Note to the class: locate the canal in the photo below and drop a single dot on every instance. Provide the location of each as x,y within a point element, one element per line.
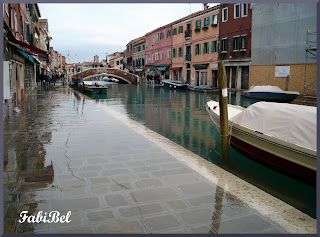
<point>180,115</point>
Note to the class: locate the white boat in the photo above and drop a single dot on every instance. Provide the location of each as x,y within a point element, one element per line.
<point>271,93</point>
<point>281,135</point>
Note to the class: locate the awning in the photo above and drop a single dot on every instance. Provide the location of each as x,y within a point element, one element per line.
<point>175,68</point>
<point>159,68</point>
<point>30,47</point>
<point>201,66</point>
<point>26,56</point>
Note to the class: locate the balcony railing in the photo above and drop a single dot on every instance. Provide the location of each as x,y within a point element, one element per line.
<point>188,57</point>
<point>187,34</point>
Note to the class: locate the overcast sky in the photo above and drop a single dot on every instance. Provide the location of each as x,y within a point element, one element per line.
<point>86,30</point>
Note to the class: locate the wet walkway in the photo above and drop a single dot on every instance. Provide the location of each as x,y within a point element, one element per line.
<point>64,152</point>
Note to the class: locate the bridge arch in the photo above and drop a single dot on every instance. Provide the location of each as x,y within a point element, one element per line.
<point>113,72</point>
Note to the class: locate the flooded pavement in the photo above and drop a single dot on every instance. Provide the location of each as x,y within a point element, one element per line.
<point>65,152</point>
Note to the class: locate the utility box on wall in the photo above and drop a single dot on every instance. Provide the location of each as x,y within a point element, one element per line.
<point>6,81</point>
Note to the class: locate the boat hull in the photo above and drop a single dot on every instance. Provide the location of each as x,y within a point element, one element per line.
<point>173,85</point>
<point>291,160</point>
<point>271,97</point>
<point>202,88</point>
<point>96,89</point>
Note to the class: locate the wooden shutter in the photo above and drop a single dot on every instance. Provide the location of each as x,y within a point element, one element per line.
<point>233,44</point>
<point>217,18</point>
<point>212,47</point>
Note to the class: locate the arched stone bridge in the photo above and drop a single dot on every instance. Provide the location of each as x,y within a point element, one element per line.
<point>126,77</point>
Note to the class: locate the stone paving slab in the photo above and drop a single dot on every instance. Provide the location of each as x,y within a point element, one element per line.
<point>116,176</point>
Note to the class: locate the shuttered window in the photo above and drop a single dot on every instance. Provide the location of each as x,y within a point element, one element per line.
<point>197,49</point>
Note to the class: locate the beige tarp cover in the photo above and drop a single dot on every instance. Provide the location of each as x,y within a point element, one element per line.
<point>296,124</point>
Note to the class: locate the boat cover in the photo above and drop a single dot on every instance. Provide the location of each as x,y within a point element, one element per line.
<point>293,123</point>
<point>270,89</point>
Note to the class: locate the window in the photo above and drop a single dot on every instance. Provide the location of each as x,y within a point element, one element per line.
<point>215,19</point>
<point>173,53</point>
<point>174,31</point>
<point>214,46</point>
<point>197,49</point>
<point>198,24</point>
<point>205,48</point>
<point>142,64</point>
<point>169,51</point>
<point>236,44</point>
<point>152,57</point>
<point>152,40</point>
<point>180,52</point>
<point>161,36</point>
<point>236,10</point>
<point>224,14</point>
<point>180,29</point>
<point>168,33</point>
<point>161,54</point>
<point>206,21</point>
<point>224,45</point>
<point>143,48</point>
<point>243,42</point>
<point>244,9</point>
<point>157,37</point>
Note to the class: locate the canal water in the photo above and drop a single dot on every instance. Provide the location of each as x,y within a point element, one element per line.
<point>180,115</point>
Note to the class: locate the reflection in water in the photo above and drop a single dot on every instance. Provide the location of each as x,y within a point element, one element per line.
<point>26,167</point>
<point>216,217</point>
<point>181,116</point>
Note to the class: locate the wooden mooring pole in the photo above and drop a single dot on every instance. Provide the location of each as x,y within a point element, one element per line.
<point>223,105</point>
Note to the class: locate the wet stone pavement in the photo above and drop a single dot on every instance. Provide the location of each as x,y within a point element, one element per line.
<point>64,152</point>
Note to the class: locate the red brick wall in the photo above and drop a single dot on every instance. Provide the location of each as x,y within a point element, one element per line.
<point>233,27</point>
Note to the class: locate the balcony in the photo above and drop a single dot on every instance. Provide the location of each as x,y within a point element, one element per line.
<point>188,57</point>
<point>187,34</point>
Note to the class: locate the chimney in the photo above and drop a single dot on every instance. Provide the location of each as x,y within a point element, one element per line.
<point>205,6</point>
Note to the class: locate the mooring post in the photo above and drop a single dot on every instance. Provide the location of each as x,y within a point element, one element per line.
<point>287,83</point>
<point>223,105</point>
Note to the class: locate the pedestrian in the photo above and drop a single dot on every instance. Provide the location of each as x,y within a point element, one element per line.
<point>148,78</point>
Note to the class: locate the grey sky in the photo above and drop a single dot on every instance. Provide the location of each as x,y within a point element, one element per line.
<point>96,29</point>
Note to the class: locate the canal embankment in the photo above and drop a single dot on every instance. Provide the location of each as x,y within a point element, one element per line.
<point>65,152</point>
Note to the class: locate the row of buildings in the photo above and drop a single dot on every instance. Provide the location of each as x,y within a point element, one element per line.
<point>27,53</point>
<point>260,44</point>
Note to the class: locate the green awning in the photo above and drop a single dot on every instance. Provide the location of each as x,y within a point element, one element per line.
<point>201,66</point>
<point>26,56</point>
<point>159,68</point>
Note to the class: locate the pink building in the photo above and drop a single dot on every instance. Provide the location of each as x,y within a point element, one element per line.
<point>158,51</point>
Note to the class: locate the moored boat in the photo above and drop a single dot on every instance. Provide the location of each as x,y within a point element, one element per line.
<point>95,89</point>
<point>174,84</point>
<point>202,88</point>
<point>280,135</point>
<point>271,94</point>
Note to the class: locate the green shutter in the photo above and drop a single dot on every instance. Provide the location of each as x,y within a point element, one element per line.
<point>239,43</point>
<point>217,18</point>
<point>208,49</point>
<point>245,42</point>
<point>212,19</point>
<point>200,23</point>
<point>195,50</point>
<point>203,47</point>
<point>196,24</point>
<point>212,45</point>
<point>233,46</point>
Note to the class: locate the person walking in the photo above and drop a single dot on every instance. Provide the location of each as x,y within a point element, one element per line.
<point>148,78</point>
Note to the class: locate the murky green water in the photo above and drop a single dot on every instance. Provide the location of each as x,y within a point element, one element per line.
<point>180,115</point>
